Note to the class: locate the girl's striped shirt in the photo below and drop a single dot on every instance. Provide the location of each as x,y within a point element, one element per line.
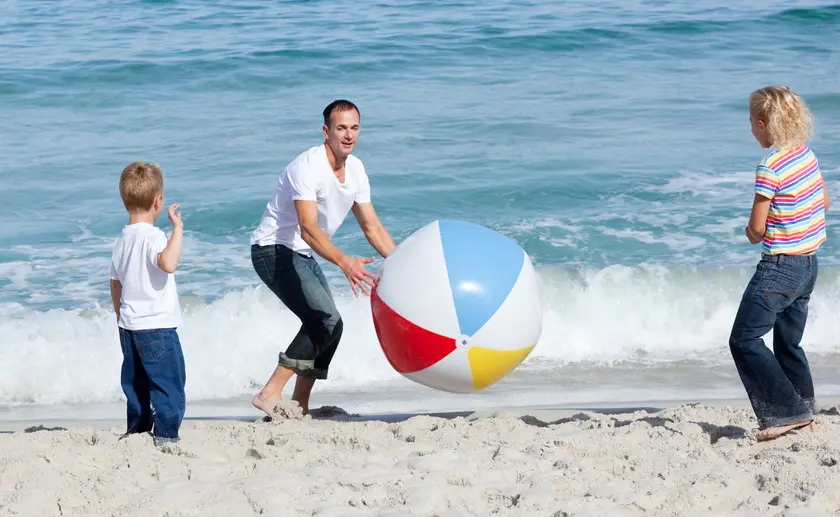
<point>796,221</point>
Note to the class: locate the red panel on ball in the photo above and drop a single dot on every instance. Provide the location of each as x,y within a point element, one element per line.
<point>407,347</point>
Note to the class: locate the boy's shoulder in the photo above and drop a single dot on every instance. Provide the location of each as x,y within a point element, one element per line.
<point>134,234</point>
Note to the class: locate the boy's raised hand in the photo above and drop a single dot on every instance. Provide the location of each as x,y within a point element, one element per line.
<point>175,217</point>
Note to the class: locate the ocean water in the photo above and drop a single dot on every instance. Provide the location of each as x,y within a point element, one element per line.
<point>610,139</point>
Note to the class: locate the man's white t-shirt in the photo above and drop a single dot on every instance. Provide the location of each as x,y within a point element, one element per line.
<point>310,177</point>
<point>149,296</point>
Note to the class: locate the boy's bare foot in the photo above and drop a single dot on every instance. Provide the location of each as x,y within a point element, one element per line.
<point>772,433</point>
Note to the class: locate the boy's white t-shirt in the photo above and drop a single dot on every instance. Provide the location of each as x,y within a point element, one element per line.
<point>149,295</point>
<point>310,177</point>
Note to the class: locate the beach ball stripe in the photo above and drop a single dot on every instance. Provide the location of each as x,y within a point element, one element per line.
<point>416,271</point>
<point>519,319</point>
<point>488,365</point>
<point>478,259</point>
<point>455,306</point>
<point>421,348</point>
<point>452,373</point>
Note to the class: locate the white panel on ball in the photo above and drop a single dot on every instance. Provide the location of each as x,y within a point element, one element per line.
<point>413,282</point>
<point>518,322</point>
<point>452,373</point>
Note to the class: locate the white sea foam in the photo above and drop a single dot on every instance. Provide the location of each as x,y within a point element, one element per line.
<point>649,315</point>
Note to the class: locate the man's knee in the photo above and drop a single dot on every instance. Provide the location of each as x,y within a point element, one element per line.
<point>324,322</point>
<point>338,327</point>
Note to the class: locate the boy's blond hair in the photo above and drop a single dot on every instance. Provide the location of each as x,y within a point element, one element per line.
<point>789,123</point>
<point>140,183</point>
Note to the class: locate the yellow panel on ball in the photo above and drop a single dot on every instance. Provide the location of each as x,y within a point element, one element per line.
<point>488,366</point>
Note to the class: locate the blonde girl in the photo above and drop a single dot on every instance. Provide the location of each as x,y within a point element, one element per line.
<point>788,219</point>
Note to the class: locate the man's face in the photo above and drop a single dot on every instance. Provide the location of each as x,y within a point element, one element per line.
<point>342,132</point>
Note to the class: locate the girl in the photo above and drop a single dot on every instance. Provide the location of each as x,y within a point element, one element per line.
<point>788,218</point>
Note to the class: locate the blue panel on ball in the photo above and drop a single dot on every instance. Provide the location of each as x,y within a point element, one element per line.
<point>483,267</point>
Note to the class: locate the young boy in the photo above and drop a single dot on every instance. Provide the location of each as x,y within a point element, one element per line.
<point>147,307</point>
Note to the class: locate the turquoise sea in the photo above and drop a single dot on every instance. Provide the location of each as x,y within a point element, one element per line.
<point>610,139</point>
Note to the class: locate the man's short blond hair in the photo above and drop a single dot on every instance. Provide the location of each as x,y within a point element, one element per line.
<point>140,183</point>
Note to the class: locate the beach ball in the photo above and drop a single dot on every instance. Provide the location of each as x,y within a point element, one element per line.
<point>457,306</point>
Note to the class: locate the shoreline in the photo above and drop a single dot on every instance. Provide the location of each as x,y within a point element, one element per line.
<point>240,410</point>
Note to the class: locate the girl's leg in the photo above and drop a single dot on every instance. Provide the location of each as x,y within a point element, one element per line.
<point>773,398</point>
<point>787,336</point>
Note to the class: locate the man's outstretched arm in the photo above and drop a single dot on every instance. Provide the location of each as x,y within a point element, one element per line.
<point>374,230</point>
<point>312,234</point>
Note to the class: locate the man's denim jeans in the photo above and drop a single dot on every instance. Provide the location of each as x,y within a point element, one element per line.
<point>153,378</point>
<point>777,383</point>
<point>300,284</point>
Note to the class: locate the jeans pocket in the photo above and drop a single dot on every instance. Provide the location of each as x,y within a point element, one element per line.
<point>262,269</point>
<point>150,344</point>
<point>781,286</point>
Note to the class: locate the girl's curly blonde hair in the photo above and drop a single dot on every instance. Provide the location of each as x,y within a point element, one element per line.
<point>789,123</point>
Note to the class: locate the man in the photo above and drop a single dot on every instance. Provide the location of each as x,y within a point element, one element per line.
<point>313,197</point>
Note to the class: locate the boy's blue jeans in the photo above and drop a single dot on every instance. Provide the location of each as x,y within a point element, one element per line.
<point>300,284</point>
<point>778,383</point>
<point>153,377</point>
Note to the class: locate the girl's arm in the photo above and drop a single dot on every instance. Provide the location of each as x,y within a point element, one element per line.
<point>757,226</point>
<point>827,198</point>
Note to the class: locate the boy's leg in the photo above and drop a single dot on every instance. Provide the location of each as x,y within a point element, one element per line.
<point>787,336</point>
<point>160,351</point>
<point>773,398</point>
<point>135,385</point>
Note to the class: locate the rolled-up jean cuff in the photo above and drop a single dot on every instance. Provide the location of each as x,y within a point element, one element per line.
<point>303,367</point>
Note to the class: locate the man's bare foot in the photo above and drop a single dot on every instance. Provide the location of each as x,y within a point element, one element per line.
<point>268,397</point>
<point>772,433</point>
<point>264,404</point>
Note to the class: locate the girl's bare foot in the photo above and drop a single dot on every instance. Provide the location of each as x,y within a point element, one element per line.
<point>772,433</point>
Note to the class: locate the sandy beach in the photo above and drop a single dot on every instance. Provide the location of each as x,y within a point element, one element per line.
<point>692,459</point>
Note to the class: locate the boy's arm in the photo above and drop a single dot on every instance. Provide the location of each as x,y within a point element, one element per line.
<point>116,295</point>
<point>169,258</point>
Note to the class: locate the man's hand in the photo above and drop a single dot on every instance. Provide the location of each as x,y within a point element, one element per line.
<point>357,275</point>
